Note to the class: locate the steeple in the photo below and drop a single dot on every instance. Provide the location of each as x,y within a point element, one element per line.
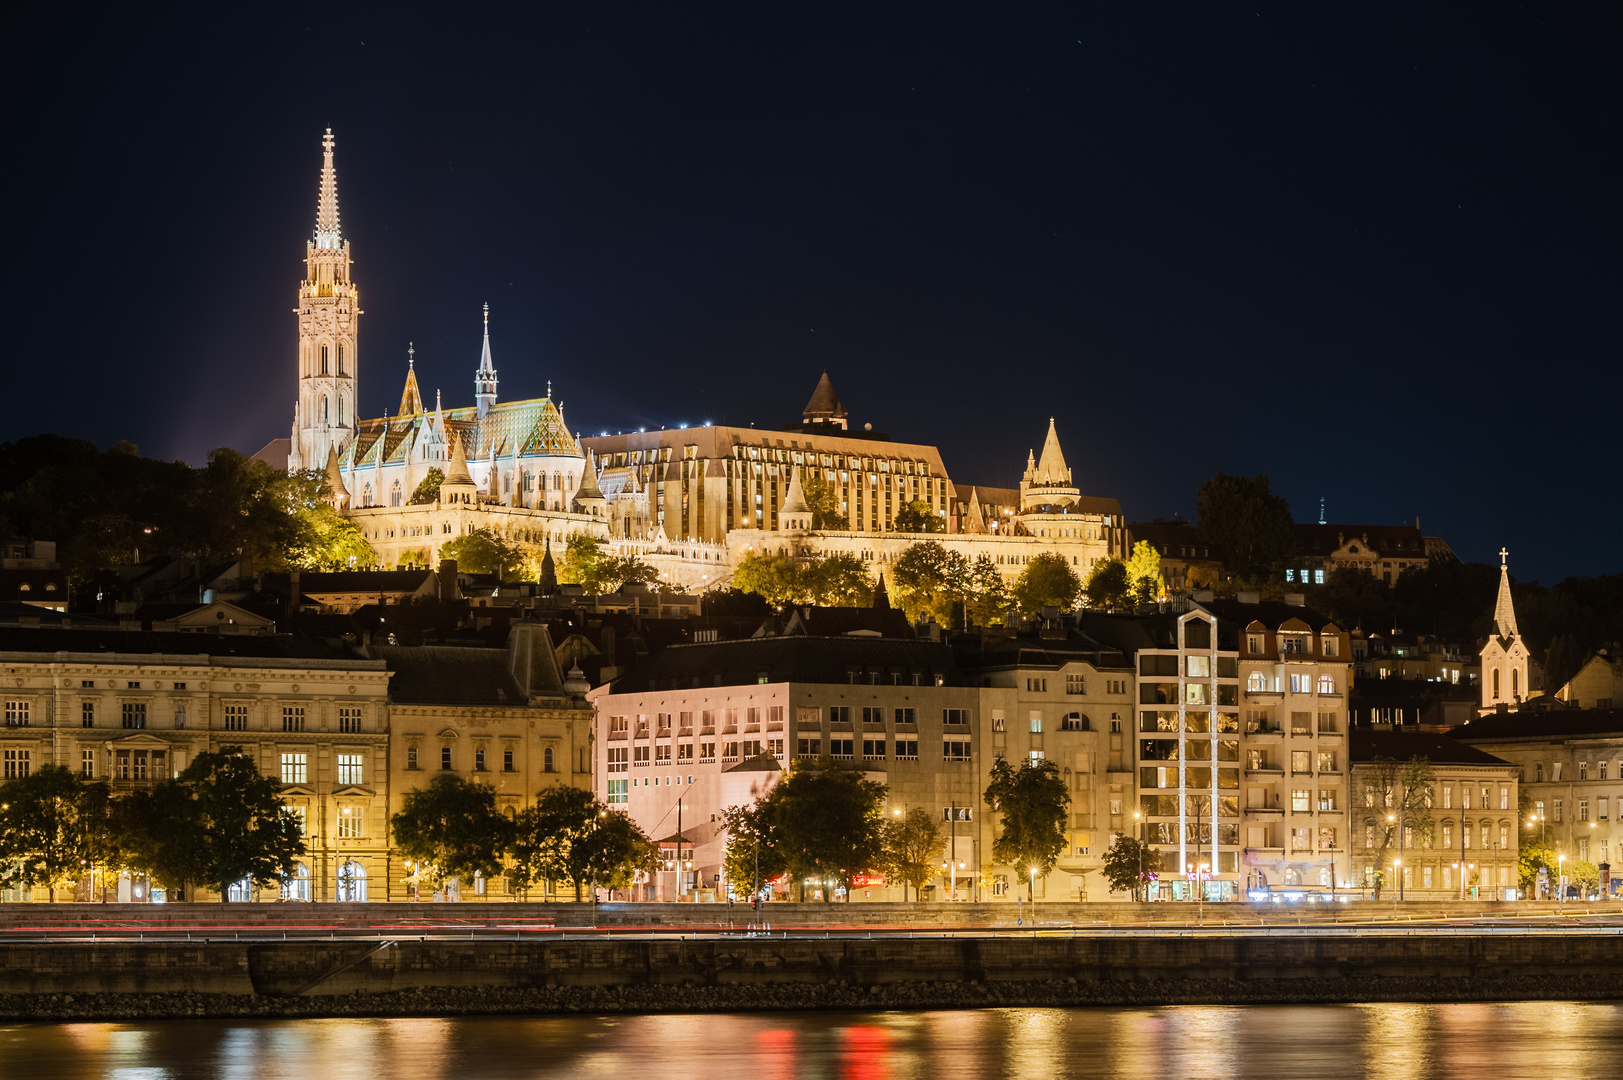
<point>484,380</point>
<point>824,406</point>
<point>1051,466</point>
<point>1504,609</point>
<point>795,516</point>
<point>411,400</point>
<point>1046,485</point>
<point>549,574</point>
<point>881,595</point>
<point>974,519</point>
<point>335,480</point>
<point>327,233</point>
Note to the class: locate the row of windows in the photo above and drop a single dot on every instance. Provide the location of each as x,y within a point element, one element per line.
<point>133,715</point>
<point>480,760</point>
<point>1484,832</point>
<point>1586,771</point>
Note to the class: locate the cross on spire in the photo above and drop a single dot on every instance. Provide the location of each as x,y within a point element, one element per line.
<point>411,354</point>
<point>1503,555</point>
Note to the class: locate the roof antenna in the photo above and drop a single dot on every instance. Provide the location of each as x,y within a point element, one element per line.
<point>1321,510</point>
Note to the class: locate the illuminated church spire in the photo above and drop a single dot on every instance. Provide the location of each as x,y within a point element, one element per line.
<point>484,380</point>
<point>329,323</point>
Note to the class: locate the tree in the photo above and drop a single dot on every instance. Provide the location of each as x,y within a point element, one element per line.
<point>1046,581</point>
<point>245,833</point>
<point>162,829</point>
<point>47,828</point>
<point>1353,598</point>
<point>587,564</point>
<point>911,845</point>
<point>1585,875</point>
<point>778,579</point>
<point>839,579</point>
<point>823,823</point>
<point>1128,862</point>
<point>568,835</point>
<point>483,551</point>
<point>428,489</point>
<point>1248,523</point>
<point>1144,572</point>
<point>824,500</point>
<point>1399,793</point>
<point>451,829</point>
<point>929,579</point>
<point>987,601</point>
<point>1032,802</point>
<point>321,538</point>
<point>1107,585</point>
<point>917,517</point>
<point>752,848</point>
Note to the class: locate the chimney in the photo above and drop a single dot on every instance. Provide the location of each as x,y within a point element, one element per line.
<point>447,581</point>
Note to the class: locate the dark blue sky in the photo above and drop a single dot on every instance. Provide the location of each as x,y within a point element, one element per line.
<point>1371,251</point>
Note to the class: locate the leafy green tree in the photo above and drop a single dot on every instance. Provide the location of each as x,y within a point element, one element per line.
<point>484,551</point>
<point>568,835</point>
<point>824,500</point>
<point>911,845</point>
<point>824,823</point>
<point>917,517</point>
<point>451,829</point>
<point>321,538</point>
<point>838,579</point>
<point>1046,581</point>
<point>1031,802</point>
<point>1107,585</point>
<point>987,601</point>
<point>752,853</point>
<point>777,579</point>
<point>246,831</point>
<point>1401,794</point>
<point>428,489</point>
<point>162,829</point>
<point>1144,572</point>
<point>927,578</point>
<point>1353,598</point>
<point>1585,875</point>
<point>47,828</point>
<point>1126,863</point>
<point>1248,523</point>
<point>590,565</point>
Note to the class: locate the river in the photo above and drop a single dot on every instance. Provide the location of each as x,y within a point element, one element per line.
<point>1389,1042</point>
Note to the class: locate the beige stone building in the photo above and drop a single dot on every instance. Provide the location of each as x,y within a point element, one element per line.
<point>1598,684</point>
<point>1470,850</point>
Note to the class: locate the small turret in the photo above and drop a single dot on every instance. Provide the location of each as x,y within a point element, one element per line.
<point>484,380</point>
<point>795,515</point>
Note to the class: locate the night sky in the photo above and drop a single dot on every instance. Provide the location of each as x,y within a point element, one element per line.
<point>1369,250</point>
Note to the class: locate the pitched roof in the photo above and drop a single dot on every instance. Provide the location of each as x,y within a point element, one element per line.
<point>1540,725</point>
<point>1366,745</point>
<point>49,640</point>
<point>1504,608</point>
<point>1386,540</point>
<point>824,401</point>
<point>447,675</point>
<point>823,660</point>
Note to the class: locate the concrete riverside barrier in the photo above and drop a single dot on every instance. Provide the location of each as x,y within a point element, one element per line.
<point>108,980</point>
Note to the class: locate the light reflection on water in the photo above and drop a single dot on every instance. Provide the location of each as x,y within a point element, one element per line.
<point>1389,1042</point>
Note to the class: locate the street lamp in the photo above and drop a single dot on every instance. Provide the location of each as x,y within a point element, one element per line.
<point>1544,846</point>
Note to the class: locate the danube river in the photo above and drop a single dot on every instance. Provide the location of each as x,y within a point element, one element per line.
<point>1391,1042</point>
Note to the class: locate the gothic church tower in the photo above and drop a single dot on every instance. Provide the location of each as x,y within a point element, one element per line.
<point>329,323</point>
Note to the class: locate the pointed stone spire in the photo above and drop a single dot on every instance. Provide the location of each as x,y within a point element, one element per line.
<point>411,399</point>
<point>588,496</point>
<point>335,479</point>
<point>549,573</point>
<point>1504,610</point>
<point>825,406</point>
<point>794,500</point>
<point>457,471</point>
<point>881,595</point>
<point>327,232</point>
<point>1051,466</point>
<point>484,380</point>
<point>974,518</point>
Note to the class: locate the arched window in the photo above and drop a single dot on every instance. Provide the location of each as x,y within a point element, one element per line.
<point>1256,682</point>
<point>1324,876</point>
<point>366,495</point>
<point>324,413</point>
<point>546,761</point>
<point>340,358</point>
<point>1327,684</point>
<point>394,494</point>
<point>297,887</point>
<point>340,412</point>
<point>557,481</point>
<point>240,892</point>
<point>1515,682</point>
<point>352,882</point>
<point>324,359</point>
<point>1293,876</point>
<point>1496,684</point>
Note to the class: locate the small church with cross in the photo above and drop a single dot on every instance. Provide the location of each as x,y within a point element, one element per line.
<point>1509,674</point>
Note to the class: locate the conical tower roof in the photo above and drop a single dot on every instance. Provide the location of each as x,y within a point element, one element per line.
<point>457,471</point>
<point>974,518</point>
<point>1051,466</point>
<point>335,476</point>
<point>794,501</point>
<point>1504,609</point>
<point>411,399</point>
<point>549,573</point>
<point>881,595</point>
<point>825,403</point>
<point>588,488</point>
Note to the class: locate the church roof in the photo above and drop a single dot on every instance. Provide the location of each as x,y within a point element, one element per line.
<point>411,399</point>
<point>1504,608</point>
<point>824,401</point>
<point>327,232</point>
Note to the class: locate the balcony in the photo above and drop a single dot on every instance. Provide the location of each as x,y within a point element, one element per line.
<point>774,725</point>
<point>1262,728</point>
<point>1266,810</point>
<point>1266,770</point>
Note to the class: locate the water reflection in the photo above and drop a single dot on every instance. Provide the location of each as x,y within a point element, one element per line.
<point>1391,1042</point>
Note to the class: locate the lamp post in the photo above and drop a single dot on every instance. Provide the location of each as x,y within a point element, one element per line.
<point>1544,847</point>
<point>1138,839</point>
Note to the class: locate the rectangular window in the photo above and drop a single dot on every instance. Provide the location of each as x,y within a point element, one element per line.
<point>839,714</point>
<point>1583,809</point>
<point>1327,798</point>
<point>349,720</point>
<point>729,751</point>
<point>1301,801</point>
<point>349,823</point>
<point>955,750</point>
<point>618,792</point>
<point>775,748</point>
<point>301,815</point>
<point>1556,816</point>
<point>135,714</point>
<point>955,717</point>
<point>639,757</point>
<point>292,717</point>
<point>618,758</point>
<point>662,754</point>
<point>87,714</point>
<point>411,757</point>
<point>1076,684</point>
<point>445,759</point>
<point>1448,798</point>
<point>1504,796</point>
<point>1037,723</point>
<point>684,754</point>
<point>1327,761</point>
<point>707,751</point>
<point>841,748</point>
<point>295,769</point>
<point>907,749</point>
<point>1301,761</point>
<point>1301,839</point>
<point>873,748</point>
<point>906,716</point>
<point>87,764</point>
<point>507,760</point>
<point>1583,770</point>
<point>873,716</point>
<point>1601,808</point>
<point>809,748</point>
<point>236,717</point>
<point>349,769</point>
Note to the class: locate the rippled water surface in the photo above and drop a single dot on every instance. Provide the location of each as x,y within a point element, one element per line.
<point>1391,1042</point>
